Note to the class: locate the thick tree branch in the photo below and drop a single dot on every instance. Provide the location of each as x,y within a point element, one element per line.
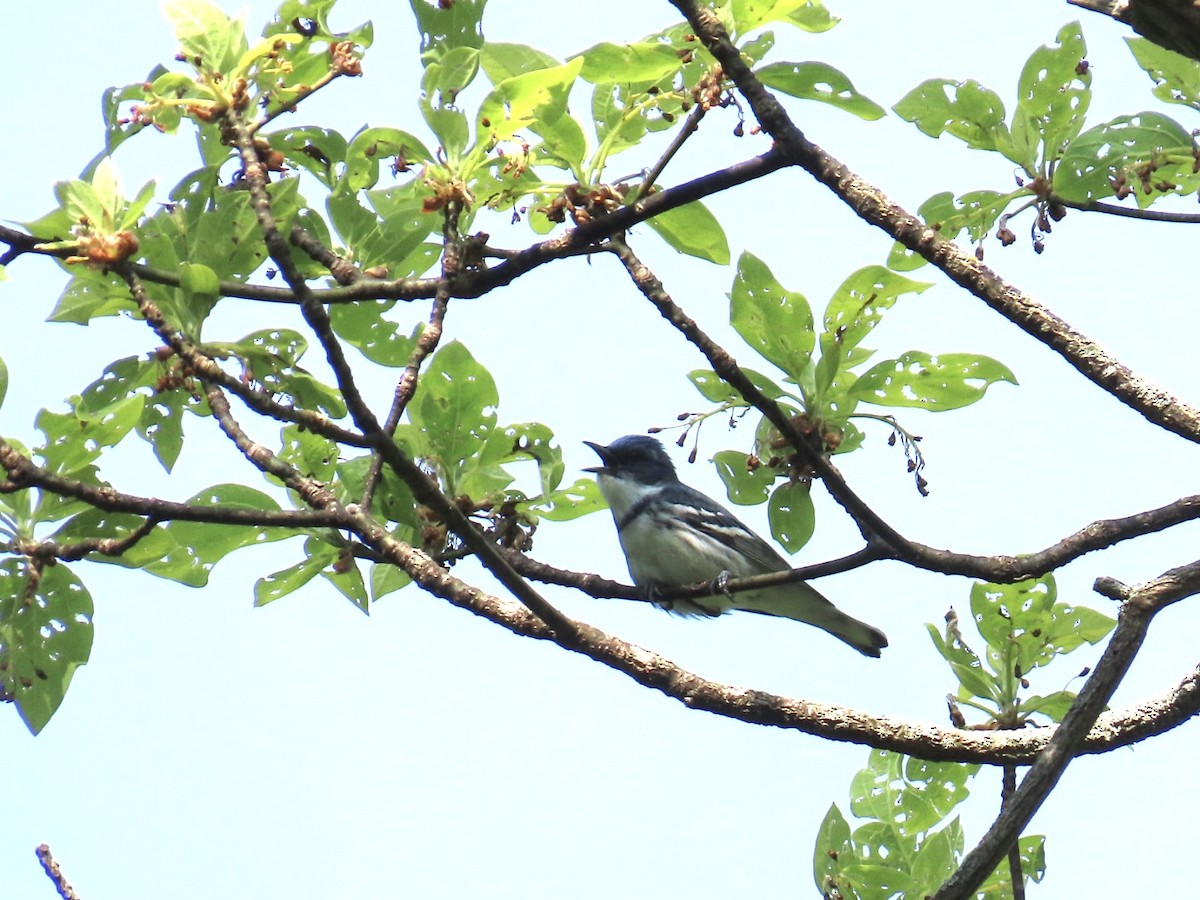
<point>1174,24</point>
<point>473,283</point>
<point>1137,612</point>
<point>838,723</point>
<point>873,206</point>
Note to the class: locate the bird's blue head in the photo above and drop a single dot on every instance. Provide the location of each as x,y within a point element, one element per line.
<point>635,457</point>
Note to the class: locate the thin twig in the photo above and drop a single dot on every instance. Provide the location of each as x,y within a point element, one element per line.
<point>207,368</point>
<point>427,341</point>
<point>310,490</point>
<point>78,550</point>
<point>1131,212</point>
<point>690,125</point>
<point>24,473</point>
<point>1007,789</point>
<point>55,874</point>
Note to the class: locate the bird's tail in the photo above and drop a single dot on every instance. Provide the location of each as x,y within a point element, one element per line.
<point>805,603</point>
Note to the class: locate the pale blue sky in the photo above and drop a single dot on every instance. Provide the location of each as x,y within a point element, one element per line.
<point>306,751</point>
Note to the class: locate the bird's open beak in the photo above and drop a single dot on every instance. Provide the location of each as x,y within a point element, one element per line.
<point>602,452</point>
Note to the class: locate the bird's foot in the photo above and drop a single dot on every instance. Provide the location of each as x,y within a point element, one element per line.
<point>720,584</point>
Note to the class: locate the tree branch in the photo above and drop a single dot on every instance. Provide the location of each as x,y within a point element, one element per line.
<point>310,490</point>
<point>44,550</point>
<point>55,874</point>
<point>206,368</point>
<point>1174,24</point>
<point>427,341</point>
<point>873,206</point>
<point>24,473</point>
<point>1136,614</point>
<point>837,723</point>
<point>1131,212</point>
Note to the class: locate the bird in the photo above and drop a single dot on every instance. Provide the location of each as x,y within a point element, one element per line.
<point>672,535</point>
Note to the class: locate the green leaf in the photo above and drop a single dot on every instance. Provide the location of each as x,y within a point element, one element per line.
<point>201,289</point>
<point>3,381</point>
<point>716,389</point>
<point>1120,151</point>
<point>608,63</point>
<point>579,499</point>
<point>809,15</point>
<point>745,485</point>
<point>315,456</point>
<point>373,145</point>
<point>1176,77</point>
<point>832,844</point>
<point>975,211</point>
<point>522,101</point>
<point>693,230</point>
<point>199,546</point>
<point>363,325</point>
<point>934,863</point>
<point>279,584</point>
<point>447,26</point>
<point>345,575</point>
<point>822,82</point>
<point>532,440</point>
<point>98,523</point>
<point>45,635</point>
<point>501,61</point>
<point>791,514</point>
<point>317,150</point>
<point>386,578</point>
<point>963,109</point>
<point>1053,94</point>
<point>211,40</point>
<point>936,383</point>
<point>454,409</point>
<point>75,440</point>
<point>966,666</point>
<point>1054,706</point>
<point>860,302</point>
<point>775,322</point>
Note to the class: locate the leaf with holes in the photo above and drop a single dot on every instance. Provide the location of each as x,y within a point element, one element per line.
<point>454,409</point>
<point>936,383</point>
<point>746,486</point>
<point>791,514</point>
<point>821,82</point>
<point>45,635</point>
<point>1151,153</point>
<point>776,322</point>
<point>198,546</point>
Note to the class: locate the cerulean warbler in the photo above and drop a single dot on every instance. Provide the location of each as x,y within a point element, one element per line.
<point>673,534</point>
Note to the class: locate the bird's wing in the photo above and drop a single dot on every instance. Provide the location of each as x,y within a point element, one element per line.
<point>707,516</point>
